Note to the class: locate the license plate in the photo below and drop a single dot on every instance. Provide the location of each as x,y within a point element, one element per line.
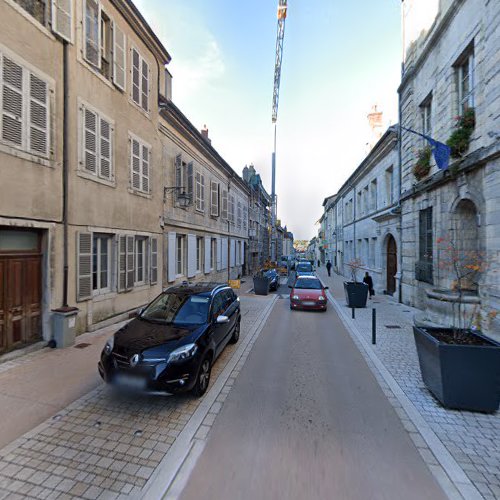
<point>308,303</point>
<point>130,381</point>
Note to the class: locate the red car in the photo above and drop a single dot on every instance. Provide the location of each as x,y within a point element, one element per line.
<point>308,293</point>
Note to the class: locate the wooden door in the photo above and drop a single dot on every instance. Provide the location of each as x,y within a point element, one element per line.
<point>20,300</point>
<point>392,265</point>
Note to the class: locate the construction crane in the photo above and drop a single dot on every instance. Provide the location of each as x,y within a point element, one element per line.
<point>282,11</point>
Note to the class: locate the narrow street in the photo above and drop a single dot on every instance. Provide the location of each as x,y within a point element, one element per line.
<point>306,419</point>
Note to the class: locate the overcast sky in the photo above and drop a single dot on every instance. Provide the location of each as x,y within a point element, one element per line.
<point>339,59</point>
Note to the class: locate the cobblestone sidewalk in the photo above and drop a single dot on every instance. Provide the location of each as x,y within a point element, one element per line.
<point>472,439</point>
<point>106,445</point>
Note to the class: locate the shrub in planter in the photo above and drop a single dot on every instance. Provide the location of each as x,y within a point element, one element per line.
<point>423,165</point>
<point>460,137</point>
<point>356,292</point>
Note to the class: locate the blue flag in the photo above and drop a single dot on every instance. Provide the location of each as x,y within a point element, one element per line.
<point>440,151</point>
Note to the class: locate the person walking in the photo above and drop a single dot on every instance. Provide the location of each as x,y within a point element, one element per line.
<point>369,281</point>
<point>329,268</point>
<point>319,263</point>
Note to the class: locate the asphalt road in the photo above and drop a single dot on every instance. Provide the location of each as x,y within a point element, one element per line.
<point>307,420</point>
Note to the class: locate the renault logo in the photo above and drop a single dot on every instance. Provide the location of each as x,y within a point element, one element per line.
<point>134,360</point>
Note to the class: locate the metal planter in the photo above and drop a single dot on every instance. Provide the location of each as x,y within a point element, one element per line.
<point>356,294</point>
<point>460,376</point>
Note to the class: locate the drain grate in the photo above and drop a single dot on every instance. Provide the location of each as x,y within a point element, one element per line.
<point>393,327</point>
<point>83,345</point>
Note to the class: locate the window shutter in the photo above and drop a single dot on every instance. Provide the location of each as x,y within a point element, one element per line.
<point>122,264</point>
<point>198,190</point>
<point>224,204</point>
<point>232,249</point>
<point>154,261</point>
<point>93,32</point>
<point>84,266</point>
<point>208,252</point>
<point>191,267</point>
<point>190,181</point>
<point>172,255</point>
<point>224,253</point>
<point>214,199</point>
<point>119,58</point>
<point>38,115</point>
<point>135,163</point>
<point>144,85</point>
<point>12,102</point>
<point>218,253</point>
<point>178,176</point>
<point>130,262</point>
<point>89,140</point>
<point>202,194</point>
<point>136,81</point>
<point>61,19</point>
<point>145,169</point>
<point>106,149</point>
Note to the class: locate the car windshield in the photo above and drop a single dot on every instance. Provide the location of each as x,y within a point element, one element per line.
<point>179,309</point>
<point>308,284</point>
<point>304,268</point>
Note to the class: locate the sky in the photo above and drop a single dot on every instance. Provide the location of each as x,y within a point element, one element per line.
<point>339,59</point>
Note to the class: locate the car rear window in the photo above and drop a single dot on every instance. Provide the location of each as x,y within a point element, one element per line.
<point>309,284</point>
<point>305,268</point>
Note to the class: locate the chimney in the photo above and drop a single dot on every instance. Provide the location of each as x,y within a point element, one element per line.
<point>375,122</point>
<point>204,133</point>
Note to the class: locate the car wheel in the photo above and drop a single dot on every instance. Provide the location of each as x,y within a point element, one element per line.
<point>203,378</point>
<point>236,334</point>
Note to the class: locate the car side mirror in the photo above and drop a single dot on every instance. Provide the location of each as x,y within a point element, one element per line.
<point>139,311</point>
<point>222,319</point>
<point>325,288</point>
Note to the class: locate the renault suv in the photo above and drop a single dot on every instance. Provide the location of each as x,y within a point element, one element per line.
<point>173,342</point>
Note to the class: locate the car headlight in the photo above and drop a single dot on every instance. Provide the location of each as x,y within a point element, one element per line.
<point>110,343</point>
<point>185,352</point>
<point>321,298</point>
<point>295,297</point>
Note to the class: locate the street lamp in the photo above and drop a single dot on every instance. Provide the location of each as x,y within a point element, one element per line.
<point>182,197</point>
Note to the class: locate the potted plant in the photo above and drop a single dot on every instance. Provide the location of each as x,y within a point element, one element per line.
<point>423,166</point>
<point>460,366</point>
<point>460,138</point>
<point>356,292</point>
<point>261,282</point>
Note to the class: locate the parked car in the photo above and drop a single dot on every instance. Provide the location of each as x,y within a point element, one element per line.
<point>308,293</point>
<point>304,268</point>
<point>172,344</point>
<point>274,279</point>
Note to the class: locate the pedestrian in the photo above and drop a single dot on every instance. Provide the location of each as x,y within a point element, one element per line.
<point>329,268</point>
<point>319,263</point>
<point>368,280</point>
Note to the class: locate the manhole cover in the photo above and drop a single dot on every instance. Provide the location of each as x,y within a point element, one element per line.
<point>83,345</point>
<point>392,326</point>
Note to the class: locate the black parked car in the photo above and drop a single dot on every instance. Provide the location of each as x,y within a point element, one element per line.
<point>274,279</point>
<point>174,341</point>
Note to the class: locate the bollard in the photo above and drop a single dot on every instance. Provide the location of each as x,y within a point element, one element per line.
<point>353,315</point>
<point>374,326</point>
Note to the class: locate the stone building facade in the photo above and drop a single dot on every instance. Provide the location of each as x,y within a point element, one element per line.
<point>451,66</point>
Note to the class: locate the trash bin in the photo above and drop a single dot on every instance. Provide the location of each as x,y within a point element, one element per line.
<point>64,323</point>
<point>261,285</point>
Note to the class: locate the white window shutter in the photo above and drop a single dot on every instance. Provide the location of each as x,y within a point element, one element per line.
<point>136,77</point>
<point>219,253</point>
<point>90,132</point>
<point>232,258</point>
<point>61,19</point>
<point>12,102</point>
<point>208,254</point>
<point>172,255</point>
<point>144,85</point>
<point>145,169</point>
<point>38,116</point>
<point>119,58</point>
<point>135,163</point>
<point>224,253</point>
<point>122,263</point>
<point>130,262</point>
<point>197,195</point>
<point>84,266</point>
<point>202,193</point>
<point>106,149</point>
<point>224,204</point>
<point>190,181</point>
<point>214,199</point>
<point>92,32</point>
<point>153,259</point>
<point>191,267</point>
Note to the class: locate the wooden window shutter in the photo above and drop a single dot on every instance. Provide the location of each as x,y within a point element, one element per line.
<point>122,263</point>
<point>61,19</point>
<point>190,181</point>
<point>119,58</point>
<point>144,85</point>
<point>172,255</point>
<point>197,190</point>
<point>232,249</point>
<point>214,199</point>
<point>90,140</point>
<point>219,253</point>
<point>135,163</point>
<point>191,267</point>
<point>208,256</point>
<point>38,115</point>
<point>178,176</point>
<point>224,204</point>
<point>130,262</point>
<point>154,261</point>
<point>224,253</point>
<point>106,149</point>
<point>136,79</point>
<point>92,22</point>
<point>145,168</point>
<point>84,266</point>
<point>12,102</point>
<point>202,194</point>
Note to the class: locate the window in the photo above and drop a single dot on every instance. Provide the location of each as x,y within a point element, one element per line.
<point>200,192</point>
<point>140,260</point>
<point>224,205</point>
<point>24,108</point>
<point>373,194</point>
<point>101,263</point>
<point>37,8</point>
<point>96,143</point>
<point>360,203</point>
<point>180,262</point>
<point>183,178</point>
<point>140,80</point>
<point>214,199</point>
<point>238,220</point>
<point>140,154</point>
<point>426,117</point>
<point>231,209</point>
<point>365,200</point>
<point>373,245</point>
<point>423,268</point>
<point>92,32</point>
<point>389,185</point>
<point>213,253</point>
<point>245,218</point>
<point>105,46</point>
<point>199,254</point>
<point>464,77</point>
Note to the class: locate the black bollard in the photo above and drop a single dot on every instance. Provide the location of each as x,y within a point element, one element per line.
<point>353,315</point>
<point>374,326</point>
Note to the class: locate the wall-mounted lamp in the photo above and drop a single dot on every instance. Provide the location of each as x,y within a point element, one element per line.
<point>182,197</point>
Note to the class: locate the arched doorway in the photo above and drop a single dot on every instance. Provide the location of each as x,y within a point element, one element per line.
<point>392,264</point>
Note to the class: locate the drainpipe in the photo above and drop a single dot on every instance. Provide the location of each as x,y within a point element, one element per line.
<point>228,232</point>
<point>65,170</point>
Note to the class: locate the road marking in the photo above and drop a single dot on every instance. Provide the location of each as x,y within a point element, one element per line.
<point>456,484</point>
